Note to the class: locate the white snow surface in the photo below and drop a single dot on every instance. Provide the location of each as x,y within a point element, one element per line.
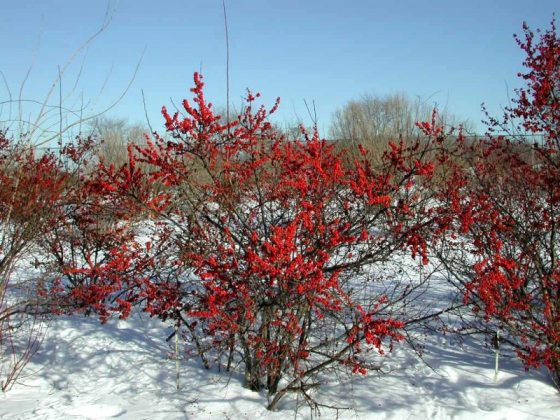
<point>125,369</point>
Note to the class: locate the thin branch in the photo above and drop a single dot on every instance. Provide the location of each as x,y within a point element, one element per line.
<point>146,112</point>
<point>227,62</point>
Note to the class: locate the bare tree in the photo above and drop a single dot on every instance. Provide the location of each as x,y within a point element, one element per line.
<point>371,120</point>
<point>114,135</point>
<point>64,110</point>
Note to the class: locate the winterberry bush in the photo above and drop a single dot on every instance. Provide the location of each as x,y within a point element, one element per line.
<point>31,187</point>
<point>505,203</point>
<point>258,243</point>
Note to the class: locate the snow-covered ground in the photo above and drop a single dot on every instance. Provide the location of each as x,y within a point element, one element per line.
<point>123,369</point>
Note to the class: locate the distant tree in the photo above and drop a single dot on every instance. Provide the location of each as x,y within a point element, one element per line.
<point>372,118</point>
<point>114,135</point>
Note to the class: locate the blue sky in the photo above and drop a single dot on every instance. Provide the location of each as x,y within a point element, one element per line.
<point>456,54</point>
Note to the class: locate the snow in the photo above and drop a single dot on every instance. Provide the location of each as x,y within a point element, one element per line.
<point>125,369</point>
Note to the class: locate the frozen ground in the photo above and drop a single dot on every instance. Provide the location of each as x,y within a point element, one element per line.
<point>123,370</point>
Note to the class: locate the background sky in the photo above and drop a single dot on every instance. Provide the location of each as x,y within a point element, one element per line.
<point>453,54</point>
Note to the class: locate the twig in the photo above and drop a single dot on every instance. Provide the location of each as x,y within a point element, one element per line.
<point>227,62</point>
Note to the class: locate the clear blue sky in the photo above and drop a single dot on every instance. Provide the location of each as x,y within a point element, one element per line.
<point>454,53</point>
